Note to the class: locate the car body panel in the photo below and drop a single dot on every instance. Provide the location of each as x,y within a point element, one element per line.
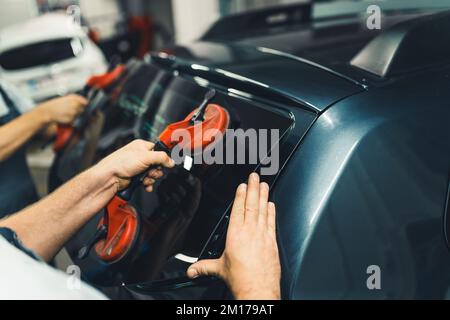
<point>368,188</point>
<point>43,82</point>
<point>46,81</point>
<point>51,26</point>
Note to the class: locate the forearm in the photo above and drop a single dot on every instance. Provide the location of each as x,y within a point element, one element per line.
<point>19,131</point>
<point>47,225</point>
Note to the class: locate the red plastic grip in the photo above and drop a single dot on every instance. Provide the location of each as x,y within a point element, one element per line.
<point>122,223</point>
<point>63,135</point>
<point>201,134</point>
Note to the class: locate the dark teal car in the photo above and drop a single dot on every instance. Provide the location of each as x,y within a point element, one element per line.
<point>362,187</point>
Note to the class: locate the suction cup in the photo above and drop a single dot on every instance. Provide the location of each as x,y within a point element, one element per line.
<point>121,234</point>
<point>201,134</point>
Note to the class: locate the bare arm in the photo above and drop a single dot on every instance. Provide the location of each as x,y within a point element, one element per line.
<point>47,225</point>
<point>18,132</point>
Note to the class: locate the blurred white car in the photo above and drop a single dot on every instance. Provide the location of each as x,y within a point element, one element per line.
<point>48,56</point>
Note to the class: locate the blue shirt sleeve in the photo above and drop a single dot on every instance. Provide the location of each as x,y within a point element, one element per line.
<point>13,239</point>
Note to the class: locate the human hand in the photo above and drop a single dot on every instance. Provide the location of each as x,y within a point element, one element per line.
<point>250,264</point>
<point>62,110</point>
<point>133,159</point>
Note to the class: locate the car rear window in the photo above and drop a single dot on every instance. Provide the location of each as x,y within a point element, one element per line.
<point>179,218</point>
<point>41,53</point>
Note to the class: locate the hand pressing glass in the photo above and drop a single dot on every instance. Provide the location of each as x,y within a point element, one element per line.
<point>250,264</point>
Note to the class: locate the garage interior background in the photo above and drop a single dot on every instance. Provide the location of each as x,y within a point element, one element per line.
<point>180,20</point>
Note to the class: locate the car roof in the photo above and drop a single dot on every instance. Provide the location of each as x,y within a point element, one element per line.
<point>51,26</point>
<point>310,62</point>
<point>331,34</point>
<point>330,43</point>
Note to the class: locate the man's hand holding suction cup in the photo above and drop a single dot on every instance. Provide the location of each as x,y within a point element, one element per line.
<point>62,110</point>
<point>41,119</point>
<point>250,264</point>
<point>133,159</point>
<point>46,226</point>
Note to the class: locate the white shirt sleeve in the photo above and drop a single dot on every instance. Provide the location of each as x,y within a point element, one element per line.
<point>3,108</point>
<point>21,101</point>
<point>22,277</point>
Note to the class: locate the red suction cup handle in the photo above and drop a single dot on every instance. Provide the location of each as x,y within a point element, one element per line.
<point>63,135</point>
<point>121,221</point>
<point>201,134</point>
<point>101,82</point>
